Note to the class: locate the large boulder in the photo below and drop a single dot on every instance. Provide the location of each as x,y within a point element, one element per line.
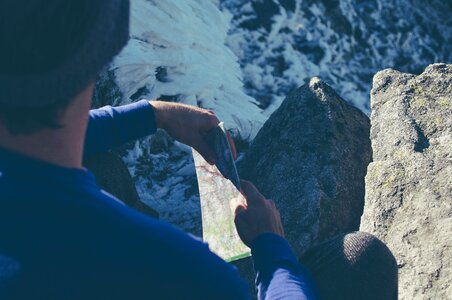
<point>409,185</point>
<point>310,157</point>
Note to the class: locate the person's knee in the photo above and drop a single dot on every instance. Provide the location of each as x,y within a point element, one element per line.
<point>362,246</point>
<point>353,266</point>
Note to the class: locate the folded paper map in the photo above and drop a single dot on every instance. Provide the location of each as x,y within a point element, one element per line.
<point>216,194</point>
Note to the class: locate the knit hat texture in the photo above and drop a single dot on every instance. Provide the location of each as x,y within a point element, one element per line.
<point>109,34</point>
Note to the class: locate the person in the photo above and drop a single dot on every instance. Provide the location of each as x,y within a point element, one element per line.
<point>63,237</point>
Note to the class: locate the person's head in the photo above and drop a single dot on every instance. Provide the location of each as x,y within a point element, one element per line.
<point>51,50</point>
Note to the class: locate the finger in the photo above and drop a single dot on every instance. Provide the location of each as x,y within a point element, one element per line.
<point>281,230</point>
<point>239,200</point>
<point>205,150</point>
<point>239,209</point>
<point>251,193</point>
<point>232,145</point>
<point>272,203</point>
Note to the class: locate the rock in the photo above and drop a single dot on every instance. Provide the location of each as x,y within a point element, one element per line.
<point>311,158</point>
<point>106,90</point>
<point>408,201</point>
<point>113,176</point>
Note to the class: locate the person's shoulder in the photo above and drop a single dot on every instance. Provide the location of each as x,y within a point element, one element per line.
<point>145,235</point>
<point>90,232</point>
<point>178,258</point>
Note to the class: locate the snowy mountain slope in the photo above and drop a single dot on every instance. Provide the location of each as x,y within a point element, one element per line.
<point>281,43</point>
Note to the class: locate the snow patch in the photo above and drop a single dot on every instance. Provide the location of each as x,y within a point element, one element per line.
<point>177,50</point>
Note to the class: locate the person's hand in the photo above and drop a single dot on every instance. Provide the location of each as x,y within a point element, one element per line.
<point>189,125</point>
<point>255,215</point>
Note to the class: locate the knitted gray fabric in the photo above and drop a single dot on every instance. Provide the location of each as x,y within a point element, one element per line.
<point>107,37</point>
<point>353,266</point>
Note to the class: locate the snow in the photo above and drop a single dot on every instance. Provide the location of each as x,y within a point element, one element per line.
<point>184,41</point>
<point>281,44</point>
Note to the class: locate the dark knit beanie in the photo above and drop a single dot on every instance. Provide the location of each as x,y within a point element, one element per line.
<point>37,88</point>
<point>353,266</point>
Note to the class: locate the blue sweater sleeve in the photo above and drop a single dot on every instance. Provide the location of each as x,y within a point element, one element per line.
<point>113,126</point>
<point>279,275</point>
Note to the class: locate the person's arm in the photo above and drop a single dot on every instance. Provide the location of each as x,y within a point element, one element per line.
<point>109,127</point>
<point>215,278</point>
<point>279,274</point>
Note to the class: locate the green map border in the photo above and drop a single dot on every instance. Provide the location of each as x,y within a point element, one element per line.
<point>237,257</point>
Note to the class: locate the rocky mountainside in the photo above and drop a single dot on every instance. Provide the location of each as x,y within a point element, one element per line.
<point>242,58</point>
<point>409,183</point>
<point>312,155</point>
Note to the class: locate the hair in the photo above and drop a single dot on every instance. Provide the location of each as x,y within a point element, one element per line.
<point>38,36</point>
<point>19,120</point>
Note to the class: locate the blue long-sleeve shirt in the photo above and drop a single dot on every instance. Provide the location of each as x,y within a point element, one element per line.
<point>62,237</point>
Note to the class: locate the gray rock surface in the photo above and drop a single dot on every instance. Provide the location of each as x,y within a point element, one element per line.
<point>113,176</point>
<point>409,185</point>
<point>310,157</point>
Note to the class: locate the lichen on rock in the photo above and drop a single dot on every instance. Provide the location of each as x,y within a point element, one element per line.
<point>409,184</point>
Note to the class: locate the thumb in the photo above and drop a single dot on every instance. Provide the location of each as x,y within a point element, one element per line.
<point>238,204</point>
<point>239,209</point>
